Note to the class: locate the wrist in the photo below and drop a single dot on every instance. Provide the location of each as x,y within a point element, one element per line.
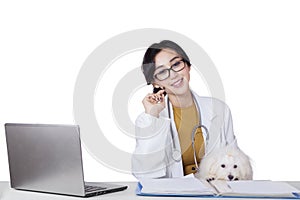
<point>152,113</point>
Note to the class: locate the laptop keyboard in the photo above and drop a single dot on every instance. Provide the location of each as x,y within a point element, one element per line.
<point>91,188</point>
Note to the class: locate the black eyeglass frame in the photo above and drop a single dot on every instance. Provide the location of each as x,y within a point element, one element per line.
<point>171,68</point>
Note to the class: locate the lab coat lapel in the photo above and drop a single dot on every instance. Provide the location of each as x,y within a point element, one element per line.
<point>205,109</point>
<point>208,116</point>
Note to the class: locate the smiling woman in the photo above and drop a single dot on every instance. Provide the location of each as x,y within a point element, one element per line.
<point>170,138</point>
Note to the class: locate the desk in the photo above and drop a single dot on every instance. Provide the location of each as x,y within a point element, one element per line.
<point>7,193</point>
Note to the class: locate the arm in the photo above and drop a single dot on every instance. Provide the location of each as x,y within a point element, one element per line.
<point>149,157</point>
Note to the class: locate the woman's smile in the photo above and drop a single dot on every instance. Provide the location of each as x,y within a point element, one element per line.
<point>178,83</point>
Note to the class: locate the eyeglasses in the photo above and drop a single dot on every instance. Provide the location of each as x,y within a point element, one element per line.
<point>165,73</point>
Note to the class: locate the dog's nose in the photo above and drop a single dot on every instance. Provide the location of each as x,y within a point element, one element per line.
<point>230,177</point>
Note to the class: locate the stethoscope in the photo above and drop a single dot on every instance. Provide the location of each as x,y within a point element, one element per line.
<point>176,154</point>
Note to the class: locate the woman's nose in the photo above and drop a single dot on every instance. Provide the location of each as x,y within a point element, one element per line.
<point>173,74</point>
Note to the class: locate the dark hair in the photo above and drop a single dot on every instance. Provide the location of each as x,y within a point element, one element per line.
<point>148,66</point>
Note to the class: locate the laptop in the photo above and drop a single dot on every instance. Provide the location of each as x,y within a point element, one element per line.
<point>47,158</point>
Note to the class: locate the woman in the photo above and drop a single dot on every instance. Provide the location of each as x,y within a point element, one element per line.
<point>165,131</point>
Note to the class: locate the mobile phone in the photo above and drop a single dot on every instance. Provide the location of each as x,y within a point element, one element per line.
<point>157,89</point>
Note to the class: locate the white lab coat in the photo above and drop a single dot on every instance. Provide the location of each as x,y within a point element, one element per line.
<point>152,157</point>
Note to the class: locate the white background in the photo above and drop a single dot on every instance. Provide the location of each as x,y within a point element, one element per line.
<point>255,46</point>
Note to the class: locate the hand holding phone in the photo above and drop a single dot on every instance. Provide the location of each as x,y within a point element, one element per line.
<point>154,102</point>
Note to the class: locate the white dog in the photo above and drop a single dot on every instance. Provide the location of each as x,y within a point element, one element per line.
<point>227,163</point>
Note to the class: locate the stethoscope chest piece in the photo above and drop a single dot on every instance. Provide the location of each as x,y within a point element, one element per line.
<point>176,155</point>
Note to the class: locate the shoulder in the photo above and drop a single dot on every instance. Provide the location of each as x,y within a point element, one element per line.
<point>210,100</point>
<point>212,104</point>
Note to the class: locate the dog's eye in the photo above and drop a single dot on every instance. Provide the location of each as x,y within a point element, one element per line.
<point>234,166</point>
<point>223,166</point>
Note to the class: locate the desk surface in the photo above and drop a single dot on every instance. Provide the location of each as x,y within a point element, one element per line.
<point>7,193</point>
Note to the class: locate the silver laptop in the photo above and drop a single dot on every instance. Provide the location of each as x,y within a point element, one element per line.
<point>47,158</point>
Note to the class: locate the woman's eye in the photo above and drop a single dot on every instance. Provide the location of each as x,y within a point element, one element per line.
<point>162,71</point>
<point>176,64</point>
<point>223,166</point>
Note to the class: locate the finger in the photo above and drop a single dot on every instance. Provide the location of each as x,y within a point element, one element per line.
<point>161,95</point>
<point>152,99</point>
<point>160,92</point>
<point>156,97</point>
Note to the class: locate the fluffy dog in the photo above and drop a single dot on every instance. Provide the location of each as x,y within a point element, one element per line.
<point>228,163</point>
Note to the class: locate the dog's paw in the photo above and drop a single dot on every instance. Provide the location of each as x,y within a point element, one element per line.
<point>210,179</point>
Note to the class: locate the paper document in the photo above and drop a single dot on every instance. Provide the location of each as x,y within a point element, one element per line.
<point>185,185</point>
<point>262,188</point>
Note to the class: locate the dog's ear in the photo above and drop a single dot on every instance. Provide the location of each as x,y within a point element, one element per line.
<point>246,167</point>
<point>247,172</point>
<point>214,167</point>
<point>212,162</point>
<point>207,164</point>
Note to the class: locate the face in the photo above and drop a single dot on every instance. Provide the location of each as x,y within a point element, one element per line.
<point>232,165</point>
<point>178,82</point>
<point>228,169</point>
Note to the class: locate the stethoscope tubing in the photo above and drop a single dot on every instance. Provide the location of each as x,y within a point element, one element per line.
<point>176,154</point>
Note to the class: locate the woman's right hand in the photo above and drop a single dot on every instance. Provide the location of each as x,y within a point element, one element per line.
<point>154,103</point>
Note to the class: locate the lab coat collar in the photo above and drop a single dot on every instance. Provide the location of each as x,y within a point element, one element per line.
<point>206,109</point>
